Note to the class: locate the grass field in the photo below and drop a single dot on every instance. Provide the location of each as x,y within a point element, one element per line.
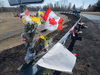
<point>92,13</point>
<point>9,22</point>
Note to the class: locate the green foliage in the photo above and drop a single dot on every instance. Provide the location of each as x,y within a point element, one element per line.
<point>46,73</point>
<point>39,44</point>
<point>37,15</point>
<point>48,38</point>
<point>98,4</point>
<point>28,24</point>
<point>29,27</point>
<point>74,7</point>
<point>42,22</point>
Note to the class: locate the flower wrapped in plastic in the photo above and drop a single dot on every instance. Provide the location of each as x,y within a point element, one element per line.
<point>39,47</point>
<point>27,20</point>
<point>32,24</point>
<point>36,20</point>
<point>41,44</point>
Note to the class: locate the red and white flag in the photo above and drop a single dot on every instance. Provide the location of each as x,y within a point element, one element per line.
<point>53,22</point>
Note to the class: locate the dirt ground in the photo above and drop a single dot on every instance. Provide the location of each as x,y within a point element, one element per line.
<point>10,42</point>
<point>86,45</point>
<point>9,22</point>
<point>92,13</point>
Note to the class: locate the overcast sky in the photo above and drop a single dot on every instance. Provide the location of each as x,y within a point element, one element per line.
<point>78,3</point>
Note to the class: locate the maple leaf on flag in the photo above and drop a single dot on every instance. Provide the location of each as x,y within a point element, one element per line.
<point>52,21</point>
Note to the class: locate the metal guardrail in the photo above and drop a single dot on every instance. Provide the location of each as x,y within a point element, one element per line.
<point>66,36</point>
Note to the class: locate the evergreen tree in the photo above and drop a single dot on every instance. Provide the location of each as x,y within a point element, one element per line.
<point>74,7</point>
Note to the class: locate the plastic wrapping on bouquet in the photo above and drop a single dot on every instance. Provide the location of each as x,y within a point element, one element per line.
<point>29,55</point>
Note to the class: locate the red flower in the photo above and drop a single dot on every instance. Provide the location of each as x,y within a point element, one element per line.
<point>26,40</point>
<point>41,39</point>
<point>45,50</point>
<point>21,17</point>
<point>17,15</point>
<point>33,15</point>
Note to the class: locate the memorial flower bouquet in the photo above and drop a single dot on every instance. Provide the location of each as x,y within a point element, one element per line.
<point>31,26</point>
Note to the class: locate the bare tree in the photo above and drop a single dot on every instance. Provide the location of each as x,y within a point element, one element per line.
<point>64,2</point>
<point>45,7</point>
<point>69,7</point>
<point>51,5</point>
<point>2,6</point>
<point>89,7</point>
<point>81,8</point>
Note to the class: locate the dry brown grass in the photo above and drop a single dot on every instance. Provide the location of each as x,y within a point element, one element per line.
<point>9,22</point>
<point>92,13</point>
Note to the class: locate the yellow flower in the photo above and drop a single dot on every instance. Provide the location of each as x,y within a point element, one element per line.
<point>41,13</point>
<point>29,17</point>
<point>36,20</point>
<point>46,45</point>
<point>42,37</point>
<point>23,20</point>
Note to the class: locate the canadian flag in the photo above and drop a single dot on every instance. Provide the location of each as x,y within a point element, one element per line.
<point>53,22</point>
